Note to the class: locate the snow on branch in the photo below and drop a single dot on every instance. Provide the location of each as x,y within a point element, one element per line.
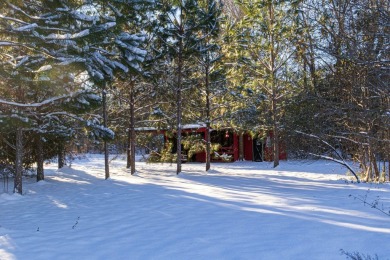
<point>68,60</point>
<point>6,43</point>
<point>94,72</point>
<point>12,19</point>
<point>26,28</point>
<point>103,27</point>
<point>121,66</point>
<point>56,36</point>
<point>83,17</point>
<point>70,115</point>
<point>115,10</point>
<point>40,104</point>
<point>44,68</point>
<point>132,37</point>
<point>23,12</point>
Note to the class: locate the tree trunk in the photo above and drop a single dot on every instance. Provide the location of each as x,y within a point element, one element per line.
<point>384,170</point>
<point>208,146</point>
<point>367,161</point>
<point>61,155</point>
<point>128,152</point>
<point>132,129</point>
<point>368,174</point>
<point>374,166</point>
<point>105,144</point>
<point>274,91</point>
<point>40,171</point>
<point>276,145</point>
<point>178,134</point>
<point>179,101</point>
<point>208,120</point>
<point>18,161</point>
<point>388,169</point>
<point>275,127</point>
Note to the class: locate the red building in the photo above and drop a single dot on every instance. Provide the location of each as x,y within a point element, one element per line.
<point>252,149</point>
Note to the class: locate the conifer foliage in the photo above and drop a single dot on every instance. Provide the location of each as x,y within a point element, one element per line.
<point>179,31</point>
<point>46,37</point>
<point>260,46</point>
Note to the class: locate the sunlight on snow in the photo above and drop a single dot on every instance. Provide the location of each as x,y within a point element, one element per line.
<point>236,211</point>
<point>5,255</point>
<point>6,242</point>
<point>357,226</point>
<point>266,200</point>
<point>59,204</point>
<point>69,180</point>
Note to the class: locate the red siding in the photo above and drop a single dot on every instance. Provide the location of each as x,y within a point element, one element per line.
<point>235,147</point>
<point>248,147</point>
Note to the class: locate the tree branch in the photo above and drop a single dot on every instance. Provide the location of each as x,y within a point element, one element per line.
<point>341,161</point>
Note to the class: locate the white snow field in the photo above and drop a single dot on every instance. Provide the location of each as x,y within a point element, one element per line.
<point>242,210</point>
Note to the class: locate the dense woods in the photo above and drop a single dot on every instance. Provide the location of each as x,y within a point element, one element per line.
<point>315,73</point>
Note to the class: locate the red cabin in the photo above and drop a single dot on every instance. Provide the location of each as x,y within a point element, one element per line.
<point>253,149</point>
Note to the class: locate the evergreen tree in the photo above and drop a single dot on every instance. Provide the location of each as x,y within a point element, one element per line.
<point>78,37</point>
<point>210,55</point>
<point>179,27</point>
<point>261,42</point>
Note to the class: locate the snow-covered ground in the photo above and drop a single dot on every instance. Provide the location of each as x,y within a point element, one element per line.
<point>241,210</point>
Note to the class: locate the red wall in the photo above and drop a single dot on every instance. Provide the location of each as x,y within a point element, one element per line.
<point>248,147</point>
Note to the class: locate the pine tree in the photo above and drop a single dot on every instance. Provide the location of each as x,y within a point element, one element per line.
<point>67,35</point>
<point>261,42</point>
<point>180,24</point>
<point>210,55</point>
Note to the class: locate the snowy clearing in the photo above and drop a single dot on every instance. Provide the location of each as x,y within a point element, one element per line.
<point>241,210</point>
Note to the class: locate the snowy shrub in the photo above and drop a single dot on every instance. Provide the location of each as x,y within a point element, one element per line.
<point>193,144</point>
<point>165,155</point>
<point>153,157</point>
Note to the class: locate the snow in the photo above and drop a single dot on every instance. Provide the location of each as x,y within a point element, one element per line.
<point>241,210</point>
<point>57,36</point>
<point>146,129</point>
<point>40,104</point>
<point>3,43</point>
<point>44,68</point>
<point>193,126</point>
<point>27,27</point>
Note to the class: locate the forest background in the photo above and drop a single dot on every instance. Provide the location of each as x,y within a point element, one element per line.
<point>315,73</point>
